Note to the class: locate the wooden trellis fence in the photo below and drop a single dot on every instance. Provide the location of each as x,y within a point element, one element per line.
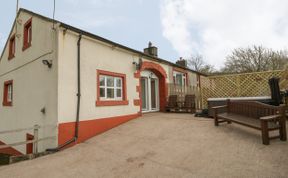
<point>240,85</point>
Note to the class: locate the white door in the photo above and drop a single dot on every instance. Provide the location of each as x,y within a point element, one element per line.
<point>150,91</point>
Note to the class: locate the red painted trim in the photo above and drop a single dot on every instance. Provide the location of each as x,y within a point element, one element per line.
<point>12,44</point>
<point>160,72</point>
<point>181,71</point>
<point>5,93</point>
<point>137,102</point>
<point>111,103</point>
<point>140,96</point>
<point>138,89</point>
<point>154,67</point>
<point>90,128</point>
<point>27,42</point>
<point>137,75</point>
<point>29,146</point>
<point>10,150</point>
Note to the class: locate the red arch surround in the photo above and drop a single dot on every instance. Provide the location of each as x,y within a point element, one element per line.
<point>160,72</point>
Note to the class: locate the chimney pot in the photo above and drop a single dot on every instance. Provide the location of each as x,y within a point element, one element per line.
<point>151,50</point>
<point>182,62</point>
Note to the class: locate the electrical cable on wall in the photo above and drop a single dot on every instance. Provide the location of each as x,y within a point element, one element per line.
<point>54,9</point>
<point>17,8</point>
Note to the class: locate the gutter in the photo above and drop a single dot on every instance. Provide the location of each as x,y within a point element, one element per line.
<point>76,133</point>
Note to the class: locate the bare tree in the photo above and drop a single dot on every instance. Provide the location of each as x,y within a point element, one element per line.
<point>198,64</point>
<point>255,59</point>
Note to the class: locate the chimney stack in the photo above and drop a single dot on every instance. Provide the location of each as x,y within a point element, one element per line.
<point>182,62</point>
<point>151,50</point>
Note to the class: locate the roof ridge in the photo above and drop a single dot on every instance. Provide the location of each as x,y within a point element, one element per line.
<point>78,30</point>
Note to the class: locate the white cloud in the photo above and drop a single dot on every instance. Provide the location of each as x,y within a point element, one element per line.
<point>213,28</point>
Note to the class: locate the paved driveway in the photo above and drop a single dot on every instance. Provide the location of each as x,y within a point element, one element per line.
<point>163,145</point>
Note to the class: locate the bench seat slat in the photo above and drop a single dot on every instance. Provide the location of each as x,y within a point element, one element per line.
<point>246,121</point>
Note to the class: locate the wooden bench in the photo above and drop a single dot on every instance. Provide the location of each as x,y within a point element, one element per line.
<point>255,115</point>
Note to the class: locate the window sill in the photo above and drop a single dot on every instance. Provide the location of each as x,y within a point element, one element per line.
<point>112,103</point>
<point>7,104</point>
<point>25,46</point>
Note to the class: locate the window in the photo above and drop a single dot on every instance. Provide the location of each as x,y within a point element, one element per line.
<point>27,37</point>
<point>179,78</point>
<point>8,93</point>
<point>12,47</point>
<point>111,89</point>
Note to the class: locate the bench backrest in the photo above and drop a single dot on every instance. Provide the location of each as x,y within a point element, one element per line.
<point>252,109</point>
<point>189,101</point>
<point>172,101</point>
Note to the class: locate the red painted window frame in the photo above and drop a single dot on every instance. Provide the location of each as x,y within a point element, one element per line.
<point>5,93</point>
<point>26,41</point>
<point>12,42</point>
<point>181,71</point>
<point>124,100</point>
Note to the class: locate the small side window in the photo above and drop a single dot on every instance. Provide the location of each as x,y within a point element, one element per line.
<point>8,93</point>
<point>12,47</point>
<point>27,37</point>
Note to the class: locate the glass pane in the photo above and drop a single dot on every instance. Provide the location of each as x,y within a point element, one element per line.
<point>102,92</point>
<point>110,93</point>
<point>102,81</point>
<point>9,95</point>
<point>110,81</point>
<point>179,79</point>
<point>153,94</point>
<point>118,82</point>
<point>119,93</point>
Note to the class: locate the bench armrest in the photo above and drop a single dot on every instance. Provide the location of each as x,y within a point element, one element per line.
<point>216,108</point>
<point>219,107</point>
<point>271,117</point>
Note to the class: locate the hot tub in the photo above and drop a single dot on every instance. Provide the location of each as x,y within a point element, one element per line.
<point>223,101</point>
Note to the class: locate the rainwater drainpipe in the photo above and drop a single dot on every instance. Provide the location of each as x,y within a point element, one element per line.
<point>76,133</point>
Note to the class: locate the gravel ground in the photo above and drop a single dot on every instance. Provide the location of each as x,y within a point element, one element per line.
<point>163,145</point>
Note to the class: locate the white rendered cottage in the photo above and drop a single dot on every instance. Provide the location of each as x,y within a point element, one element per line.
<point>55,74</point>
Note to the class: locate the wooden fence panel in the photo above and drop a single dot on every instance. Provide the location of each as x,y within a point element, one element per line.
<point>181,91</point>
<point>240,85</point>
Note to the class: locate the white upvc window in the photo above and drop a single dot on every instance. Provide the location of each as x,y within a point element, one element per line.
<point>111,88</point>
<point>179,78</point>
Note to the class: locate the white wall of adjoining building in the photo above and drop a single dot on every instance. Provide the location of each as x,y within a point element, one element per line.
<point>34,85</point>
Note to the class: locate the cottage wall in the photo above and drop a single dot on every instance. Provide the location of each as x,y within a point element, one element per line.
<point>34,84</point>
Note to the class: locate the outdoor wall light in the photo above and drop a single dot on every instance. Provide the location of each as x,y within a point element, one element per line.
<point>138,65</point>
<point>43,110</point>
<point>47,63</point>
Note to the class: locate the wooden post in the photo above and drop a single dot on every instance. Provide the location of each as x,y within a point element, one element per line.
<point>265,132</point>
<point>283,134</point>
<point>35,143</point>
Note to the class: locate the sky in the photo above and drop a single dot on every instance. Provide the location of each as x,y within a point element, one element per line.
<point>179,28</point>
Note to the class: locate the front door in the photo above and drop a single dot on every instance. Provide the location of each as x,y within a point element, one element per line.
<point>149,91</point>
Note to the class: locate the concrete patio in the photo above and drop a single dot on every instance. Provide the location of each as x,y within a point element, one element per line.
<point>163,145</point>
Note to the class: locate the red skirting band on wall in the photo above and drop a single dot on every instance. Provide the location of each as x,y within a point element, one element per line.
<point>90,128</point>
<point>10,150</point>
